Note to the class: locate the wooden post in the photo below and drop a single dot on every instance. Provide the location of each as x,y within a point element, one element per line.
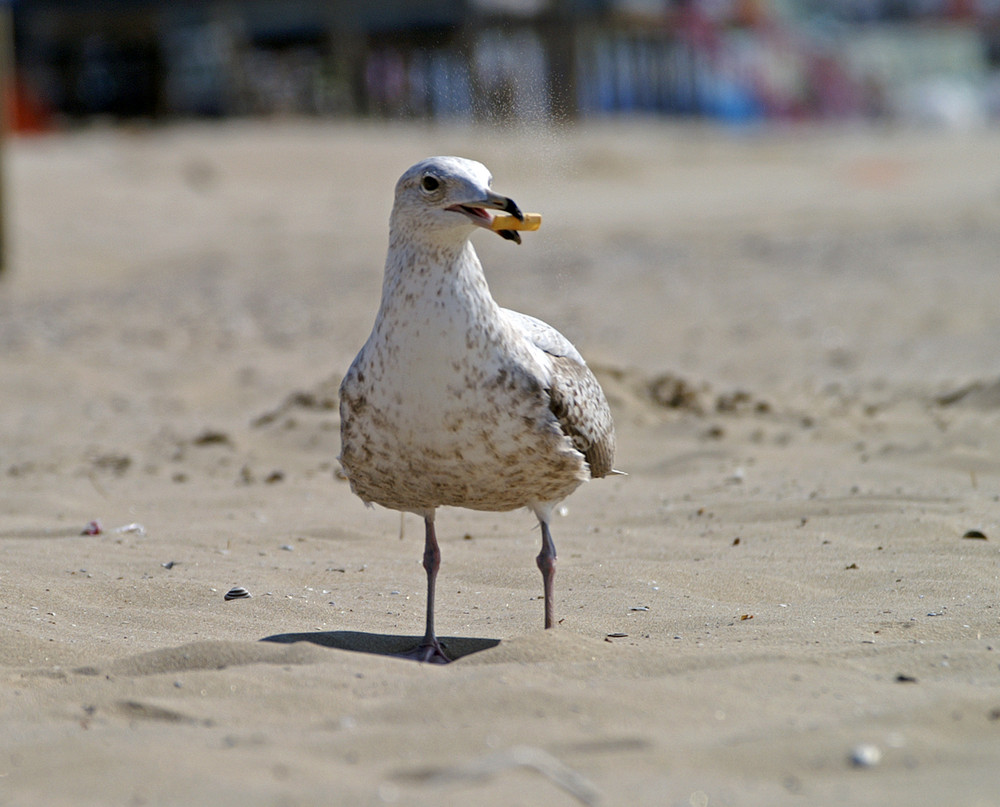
<point>6,100</point>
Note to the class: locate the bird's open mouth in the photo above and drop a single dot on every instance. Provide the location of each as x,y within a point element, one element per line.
<point>479,215</point>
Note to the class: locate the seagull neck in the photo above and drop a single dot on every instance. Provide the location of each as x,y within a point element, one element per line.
<point>436,246</point>
<point>415,269</point>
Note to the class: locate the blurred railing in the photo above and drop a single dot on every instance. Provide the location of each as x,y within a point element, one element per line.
<point>742,64</point>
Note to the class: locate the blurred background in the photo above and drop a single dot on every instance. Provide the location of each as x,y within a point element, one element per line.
<point>739,61</point>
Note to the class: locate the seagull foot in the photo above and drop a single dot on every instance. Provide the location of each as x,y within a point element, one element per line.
<point>427,652</point>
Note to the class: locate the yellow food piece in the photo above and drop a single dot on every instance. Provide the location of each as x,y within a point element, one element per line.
<point>532,221</point>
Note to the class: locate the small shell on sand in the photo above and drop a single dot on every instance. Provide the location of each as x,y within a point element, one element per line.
<point>865,755</point>
<point>237,593</point>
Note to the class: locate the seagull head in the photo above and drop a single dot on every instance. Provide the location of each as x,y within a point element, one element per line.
<point>445,197</point>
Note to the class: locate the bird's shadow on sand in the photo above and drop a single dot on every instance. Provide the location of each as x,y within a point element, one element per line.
<point>383,644</point>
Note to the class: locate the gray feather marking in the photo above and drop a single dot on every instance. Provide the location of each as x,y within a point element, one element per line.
<point>577,401</point>
<point>543,335</point>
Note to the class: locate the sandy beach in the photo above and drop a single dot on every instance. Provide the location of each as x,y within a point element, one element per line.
<point>792,598</point>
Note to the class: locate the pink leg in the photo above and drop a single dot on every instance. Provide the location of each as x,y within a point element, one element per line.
<point>430,649</point>
<point>546,561</point>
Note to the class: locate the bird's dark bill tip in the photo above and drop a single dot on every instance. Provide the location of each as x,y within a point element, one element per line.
<point>510,235</point>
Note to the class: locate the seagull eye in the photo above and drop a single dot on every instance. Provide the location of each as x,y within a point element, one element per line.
<point>430,184</point>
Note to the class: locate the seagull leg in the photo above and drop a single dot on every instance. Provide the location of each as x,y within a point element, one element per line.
<point>430,649</point>
<point>546,561</point>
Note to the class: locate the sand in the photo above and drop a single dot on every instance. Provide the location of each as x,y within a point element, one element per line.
<point>797,331</point>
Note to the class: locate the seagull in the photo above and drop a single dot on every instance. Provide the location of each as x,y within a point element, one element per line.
<point>454,401</point>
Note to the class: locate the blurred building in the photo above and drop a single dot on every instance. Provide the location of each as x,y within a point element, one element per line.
<point>507,60</point>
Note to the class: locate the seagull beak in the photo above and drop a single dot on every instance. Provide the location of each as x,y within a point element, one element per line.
<point>504,203</point>
<point>477,213</point>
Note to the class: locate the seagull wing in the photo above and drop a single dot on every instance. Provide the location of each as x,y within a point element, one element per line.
<point>543,336</point>
<point>575,396</point>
